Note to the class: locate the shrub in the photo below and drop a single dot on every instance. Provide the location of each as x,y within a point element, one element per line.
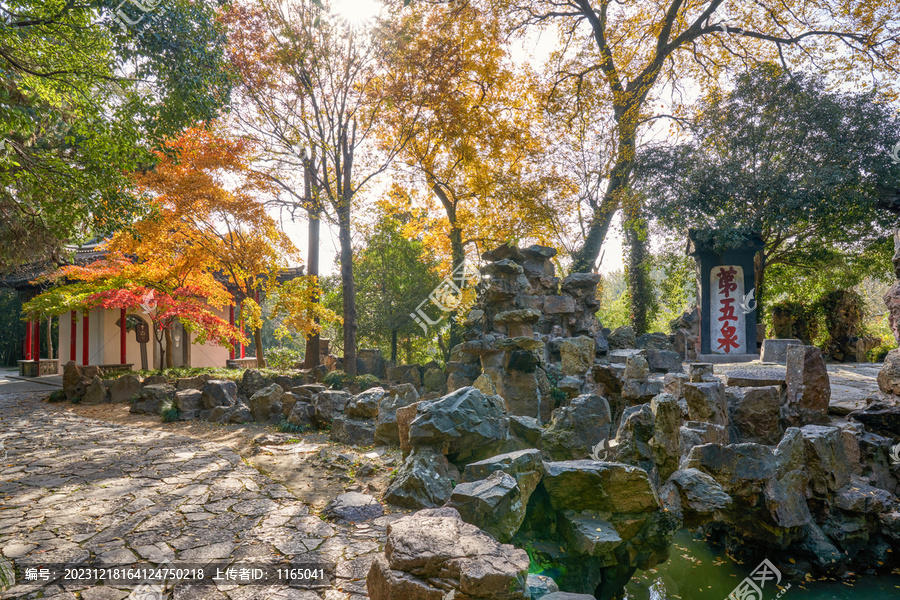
<point>57,396</point>
<point>336,380</point>
<point>171,414</point>
<point>366,381</point>
<point>282,359</point>
<point>286,427</point>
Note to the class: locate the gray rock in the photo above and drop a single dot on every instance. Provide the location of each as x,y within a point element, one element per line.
<point>636,367</point>
<point>365,405</point>
<point>252,382</point>
<point>287,403</point>
<point>568,596</point>
<point>700,372</point>
<point>525,466</point>
<point>494,504</point>
<point>879,416</point>
<point>539,586</point>
<point>189,401</point>
<point>654,341</point>
<point>327,405</point>
<point>743,470</point>
<point>863,498</point>
<point>125,388</point>
<point>697,433</point>
<point>96,393</point>
<point>266,404</point>
<point>301,414</point>
<point>353,432</point>
<point>239,413</point>
<point>431,552</point>
<point>73,381</point>
<point>154,379</point>
<point>219,393</point>
<point>633,437</point>
<point>754,377</point>
<point>353,507</point>
<point>775,351</point>
<point>694,496</point>
<point>587,534</point>
<point>308,390</point>
<point>665,444</point>
<point>463,420</point>
<point>153,399</point>
<point>190,383</point>
<point>422,481</point>
<point>706,402</point>
<point>577,355</point>
<point>754,414</point>
<point>434,380</point>
<point>889,376</point>
<point>664,361</point>
<point>601,486</point>
<point>386,430</point>
<point>808,387</point>
<point>622,338</point>
<point>575,429</point>
<point>526,430</point>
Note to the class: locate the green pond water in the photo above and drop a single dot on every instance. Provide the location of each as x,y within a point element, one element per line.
<point>696,571</point>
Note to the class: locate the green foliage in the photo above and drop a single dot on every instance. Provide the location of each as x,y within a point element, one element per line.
<point>12,329</point>
<point>336,380</point>
<point>674,276</point>
<point>57,396</point>
<point>796,319</point>
<point>366,381</point>
<point>285,427</point>
<point>282,359</point>
<point>615,301</point>
<point>171,414</point>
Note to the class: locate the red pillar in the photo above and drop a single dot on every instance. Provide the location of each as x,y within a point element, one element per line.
<point>36,340</point>
<point>85,346</point>
<point>73,348</point>
<point>231,321</point>
<point>28,330</point>
<point>241,312</point>
<point>122,353</point>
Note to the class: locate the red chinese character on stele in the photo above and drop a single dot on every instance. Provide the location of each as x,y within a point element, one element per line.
<point>727,285</point>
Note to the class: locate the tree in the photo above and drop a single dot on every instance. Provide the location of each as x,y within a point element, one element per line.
<point>617,57</point>
<point>782,157</point>
<point>86,93</point>
<point>211,216</point>
<point>478,141</point>
<point>395,274</point>
<point>156,288</point>
<point>310,87</point>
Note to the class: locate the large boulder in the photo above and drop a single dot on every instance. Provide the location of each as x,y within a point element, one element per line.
<point>74,383</point>
<point>422,481</point>
<point>435,555</point>
<point>434,380</point>
<point>365,404</point>
<point>697,433</point>
<point>889,376</point>
<point>153,399</point>
<point>577,355</point>
<point>252,382</point>
<point>879,416</point>
<point>397,396</point>
<point>494,504</point>
<point>665,444</point>
<point>96,392</point>
<point>353,507</point>
<point>622,338</point>
<point>301,414</point>
<point>328,405</point>
<point>743,470</point>
<point>266,404</point>
<point>664,361</point>
<point>600,486</point>
<point>189,402</point>
<point>754,413</point>
<point>694,497</point>
<point>525,466</point>
<point>461,421</point>
<point>706,402</point>
<point>353,432</point>
<point>219,393</point>
<point>575,429</point>
<point>808,387</point>
<point>125,388</point>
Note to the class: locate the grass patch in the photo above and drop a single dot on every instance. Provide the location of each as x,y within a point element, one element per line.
<point>57,396</point>
<point>171,414</point>
<point>284,426</point>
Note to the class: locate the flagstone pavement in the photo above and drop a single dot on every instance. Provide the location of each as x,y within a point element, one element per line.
<point>80,492</point>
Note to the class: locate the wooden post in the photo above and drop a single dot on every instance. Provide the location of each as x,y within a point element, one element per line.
<point>231,321</point>
<point>73,348</point>
<point>28,330</point>
<point>36,340</point>
<point>85,346</point>
<point>122,336</point>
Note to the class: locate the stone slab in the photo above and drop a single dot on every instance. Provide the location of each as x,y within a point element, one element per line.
<point>754,377</point>
<point>775,351</point>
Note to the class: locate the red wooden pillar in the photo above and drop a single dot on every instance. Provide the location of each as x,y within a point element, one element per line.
<point>241,312</point>
<point>73,348</point>
<point>36,340</point>
<point>122,352</point>
<point>28,330</point>
<point>85,346</point>
<point>231,321</point>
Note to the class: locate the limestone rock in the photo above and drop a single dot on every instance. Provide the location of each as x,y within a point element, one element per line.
<point>863,498</point>
<point>588,535</point>
<point>485,385</point>
<point>73,379</point>
<point>494,504</point>
<point>636,367</point>
<point>654,341</point>
<point>525,430</point>
<point>302,414</point>
<point>889,376</point>
<point>697,433</point>
<point>754,414</point>
<point>96,393</point>
<point>151,380</point>
<point>422,481</point>
<point>666,441</point>
<point>525,466</point>
<point>353,507</point>
<point>622,338</point>
<point>633,437</point>
<point>219,393</point>
<point>879,416</point>
<point>575,429</point>
<point>327,405</point>
<point>539,586</point>
<point>892,300</point>
<point>353,432</point>
<point>601,486</point>
<point>742,470</point>
<point>700,372</point>
<point>808,387</point>
<point>189,383</point>
<point>239,414</point>
<point>365,404</point>
<point>266,404</point>
<point>694,496</point>
<point>431,552</point>
<point>706,402</point>
<point>463,420</point>
<point>664,361</point>
<point>287,403</point>
<point>153,399</point>
<point>405,415</point>
<point>252,382</point>
<point>577,355</point>
<point>434,380</point>
<point>189,402</point>
<point>125,388</point>
<point>386,431</point>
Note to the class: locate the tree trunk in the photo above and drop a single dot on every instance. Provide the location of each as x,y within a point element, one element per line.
<point>457,253</point>
<point>394,346</point>
<point>257,342</point>
<point>170,358</point>
<point>759,280</point>
<point>313,212</point>
<point>160,338</point>
<point>584,260</point>
<point>348,286</point>
<point>50,337</point>
<point>639,284</point>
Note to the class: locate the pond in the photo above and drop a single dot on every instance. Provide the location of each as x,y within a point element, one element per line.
<point>697,571</point>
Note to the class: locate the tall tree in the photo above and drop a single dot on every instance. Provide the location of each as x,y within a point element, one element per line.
<point>211,216</point>
<point>634,51</point>
<point>86,90</point>
<point>309,80</point>
<point>782,157</point>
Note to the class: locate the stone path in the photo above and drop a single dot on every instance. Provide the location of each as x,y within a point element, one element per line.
<point>75,490</point>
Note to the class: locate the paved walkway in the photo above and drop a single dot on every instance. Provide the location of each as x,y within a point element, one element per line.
<point>79,491</point>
